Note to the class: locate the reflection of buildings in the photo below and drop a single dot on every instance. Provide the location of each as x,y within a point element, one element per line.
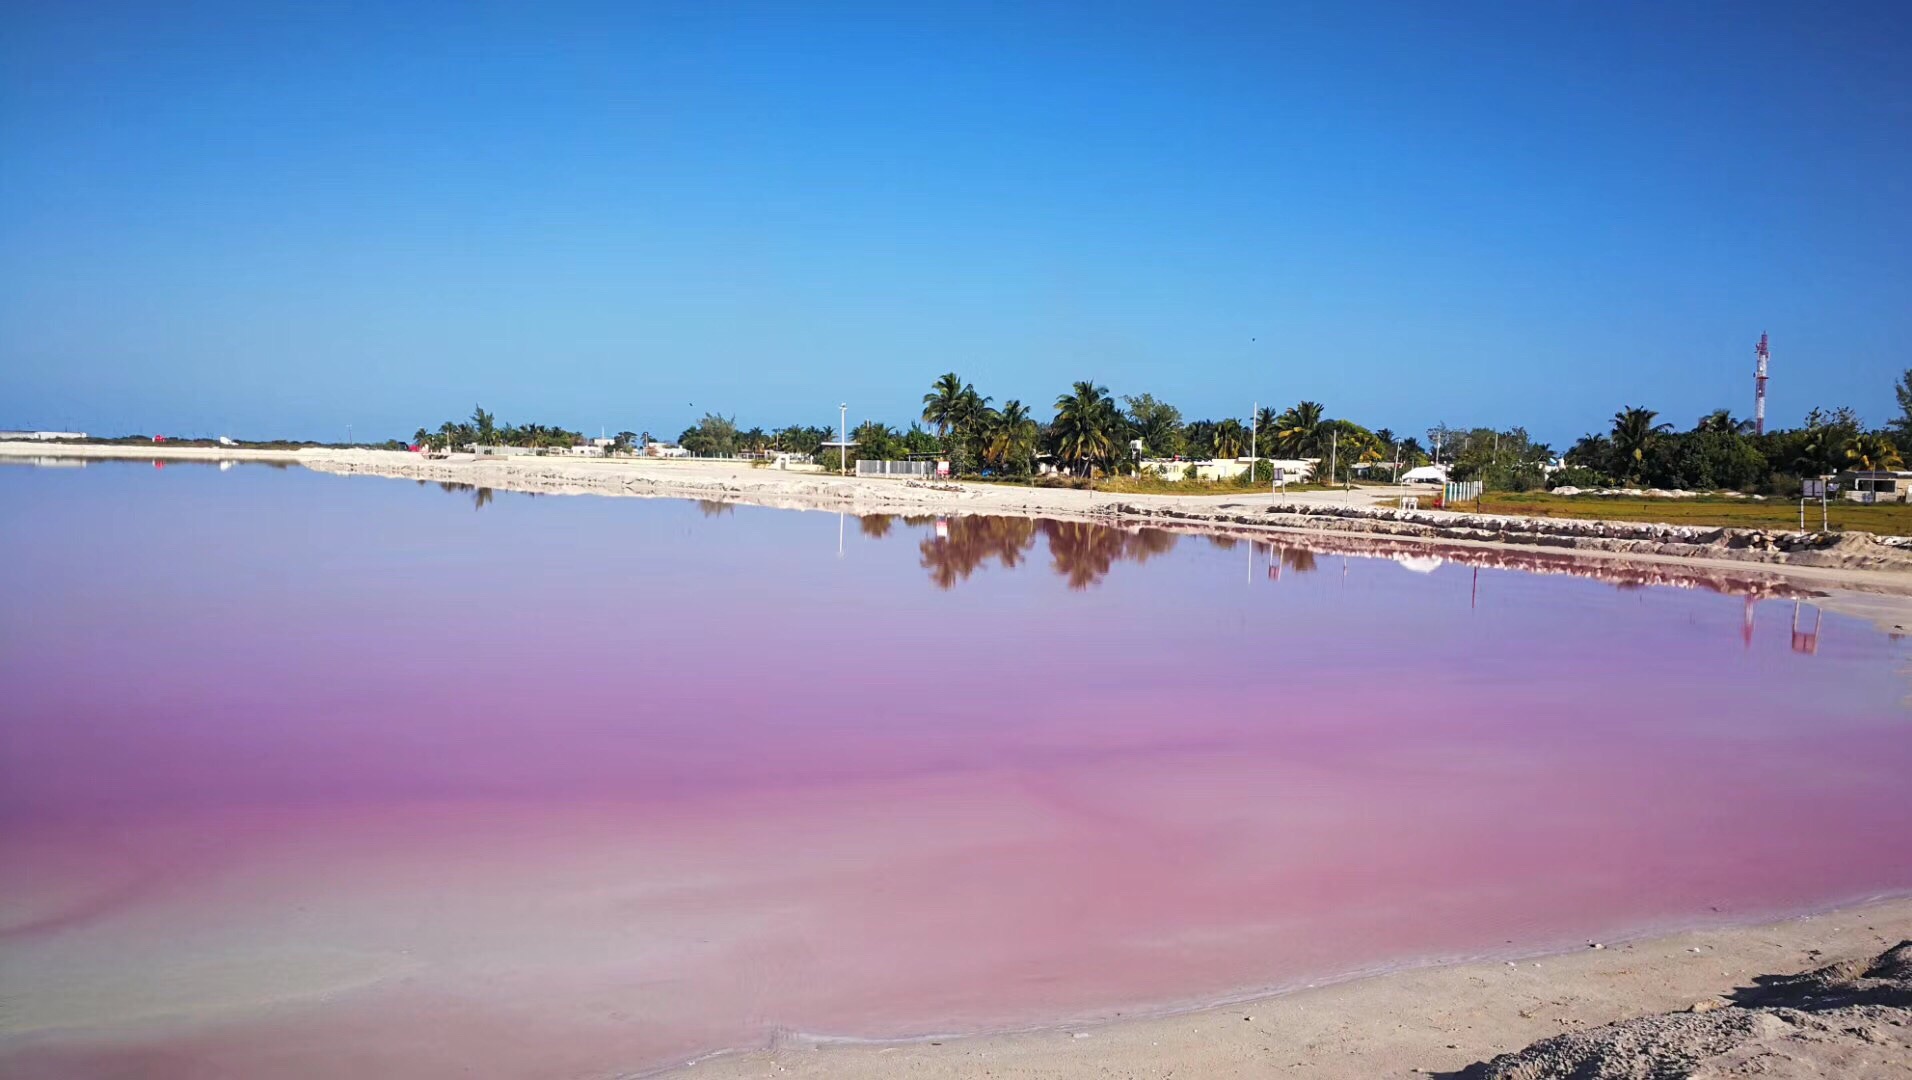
<point>1423,557</point>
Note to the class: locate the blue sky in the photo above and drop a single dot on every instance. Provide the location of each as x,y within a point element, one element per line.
<point>282,219</point>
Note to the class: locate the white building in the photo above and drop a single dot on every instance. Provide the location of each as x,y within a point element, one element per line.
<point>1875,485</point>
<point>40,436</point>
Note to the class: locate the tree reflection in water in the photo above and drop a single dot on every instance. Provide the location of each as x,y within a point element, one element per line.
<point>1300,560</point>
<point>480,496</point>
<point>969,542</point>
<point>1079,552</point>
<point>1083,554</point>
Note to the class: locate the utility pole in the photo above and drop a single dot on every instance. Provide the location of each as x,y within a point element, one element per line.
<point>1334,451</point>
<point>1253,451</point>
<point>843,438</point>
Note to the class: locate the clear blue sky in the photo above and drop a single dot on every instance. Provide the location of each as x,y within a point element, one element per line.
<point>262,218</point>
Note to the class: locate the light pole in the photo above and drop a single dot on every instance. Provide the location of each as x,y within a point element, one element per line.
<point>843,438</point>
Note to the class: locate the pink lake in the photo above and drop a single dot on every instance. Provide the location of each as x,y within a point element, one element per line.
<point>309,776</point>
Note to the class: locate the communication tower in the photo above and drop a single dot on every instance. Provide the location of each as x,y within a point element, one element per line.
<point>1759,387</point>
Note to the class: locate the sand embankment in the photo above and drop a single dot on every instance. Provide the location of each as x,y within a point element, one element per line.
<point>1442,1020</point>
<point>143,452</point>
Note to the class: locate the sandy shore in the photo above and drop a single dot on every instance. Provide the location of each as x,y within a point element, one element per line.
<point>1426,1021</point>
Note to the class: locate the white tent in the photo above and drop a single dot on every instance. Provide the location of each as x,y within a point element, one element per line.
<point>1426,474</point>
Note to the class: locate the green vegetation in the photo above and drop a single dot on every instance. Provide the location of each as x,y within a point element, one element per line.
<point>483,429</point>
<point>1721,453</point>
<point>1885,518</point>
<point>1095,439</point>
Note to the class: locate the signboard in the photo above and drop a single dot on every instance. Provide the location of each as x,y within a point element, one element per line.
<point>1813,489</point>
<point>1281,476</point>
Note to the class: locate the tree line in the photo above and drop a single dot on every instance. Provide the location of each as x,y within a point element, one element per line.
<point>483,429</point>
<point>1091,432</point>
<point>1722,452</point>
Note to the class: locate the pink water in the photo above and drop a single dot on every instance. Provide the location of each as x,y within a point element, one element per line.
<point>309,776</point>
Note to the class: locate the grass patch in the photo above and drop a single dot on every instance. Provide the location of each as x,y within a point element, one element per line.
<point>1893,519</point>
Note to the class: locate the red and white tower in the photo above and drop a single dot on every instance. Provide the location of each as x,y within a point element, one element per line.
<point>1759,387</point>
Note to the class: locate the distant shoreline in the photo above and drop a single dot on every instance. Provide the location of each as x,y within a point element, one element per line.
<point>1852,562</point>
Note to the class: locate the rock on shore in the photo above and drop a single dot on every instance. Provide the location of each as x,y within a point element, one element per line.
<point>1849,1020</point>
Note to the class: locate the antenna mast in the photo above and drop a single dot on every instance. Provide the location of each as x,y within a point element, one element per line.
<point>1759,387</point>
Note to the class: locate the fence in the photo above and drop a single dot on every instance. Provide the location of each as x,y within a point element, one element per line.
<point>894,468</point>
<point>1461,491</point>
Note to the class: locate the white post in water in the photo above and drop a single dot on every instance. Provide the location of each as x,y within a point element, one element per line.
<point>843,438</point>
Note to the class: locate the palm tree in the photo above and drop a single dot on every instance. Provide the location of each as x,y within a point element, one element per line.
<point>1231,439</point>
<point>1267,423</point>
<point>485,423</point>
<point>972,409</point>
<point>1085,425</point>
<point>1011,437</point>
<point>1198,438</point>
<point>1721,422</point>
<point>1367,447</point>
<point>1633,432</point>
<point>1298,431</point>
<point>1871,450</point>
<point>943,405</point>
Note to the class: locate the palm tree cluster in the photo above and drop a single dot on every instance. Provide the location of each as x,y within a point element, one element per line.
<point>1091,434</point>
<point>483,429</point>
<point>971,432</point>
<point>1722,452</point>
